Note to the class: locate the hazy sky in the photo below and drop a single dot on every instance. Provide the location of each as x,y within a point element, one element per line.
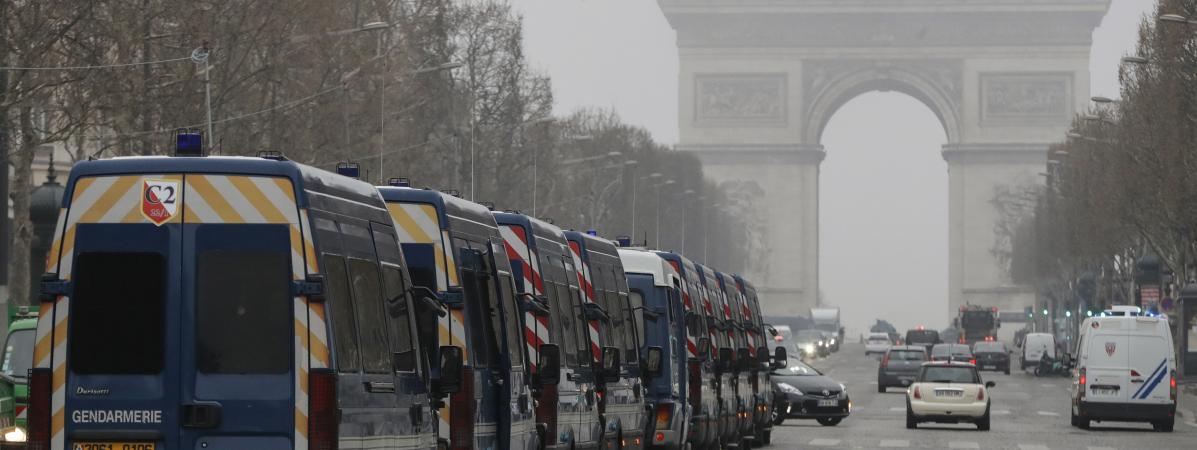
<point>621,54</point>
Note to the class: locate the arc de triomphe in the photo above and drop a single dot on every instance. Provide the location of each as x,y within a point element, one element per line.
<point>759,80</point>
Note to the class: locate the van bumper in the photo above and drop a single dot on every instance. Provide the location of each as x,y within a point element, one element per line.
<point>1126,412</point>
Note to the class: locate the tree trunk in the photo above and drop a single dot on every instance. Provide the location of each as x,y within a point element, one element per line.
<point>21,185</point>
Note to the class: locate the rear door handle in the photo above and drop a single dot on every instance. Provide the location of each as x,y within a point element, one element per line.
<point>1137,380</point>
<point>380,387</point>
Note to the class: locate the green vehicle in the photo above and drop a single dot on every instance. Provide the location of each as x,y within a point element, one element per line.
<point>14,390</point>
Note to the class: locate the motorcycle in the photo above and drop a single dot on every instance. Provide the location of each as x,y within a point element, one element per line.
<point>1050,366</point>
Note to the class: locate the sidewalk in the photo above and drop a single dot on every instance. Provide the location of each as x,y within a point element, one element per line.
<point>1186,404</point>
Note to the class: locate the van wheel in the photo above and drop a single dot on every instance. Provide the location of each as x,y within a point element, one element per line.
<point>880,388</point>
<point>1007,371</point>
<point>1076,421</point>
<point>767,437</point>
<point>1164,425</point>
<point>1083,423</point>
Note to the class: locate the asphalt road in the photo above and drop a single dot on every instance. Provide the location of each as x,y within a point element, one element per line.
<point>1028,413</point>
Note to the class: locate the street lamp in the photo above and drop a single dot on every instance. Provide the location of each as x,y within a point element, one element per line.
<point>535,154</point>
<point>371,26</point>
<point>653,176</point>
<point>1134,60</point>
<point>1103,100</point>
<point>657,240</point>
<point>1176,18</point>
<point>685,196</point>
<point>382,93</point>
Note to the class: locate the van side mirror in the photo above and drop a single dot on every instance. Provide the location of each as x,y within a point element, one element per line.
<point>725,360</point>
<point>428,300</point>
<point>704,349</point>
<point>596,312</point>
<point>762,356</point>
<point>536,305</point>
<point>548,368</point>
<point>451,366</point>
<point>780,359</point>
<point>652,362</point>
<point>609,365</point>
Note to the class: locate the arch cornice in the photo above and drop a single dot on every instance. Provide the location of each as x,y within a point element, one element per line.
<point>829,84</point>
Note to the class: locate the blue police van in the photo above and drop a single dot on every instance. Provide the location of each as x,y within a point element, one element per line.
<point>227,303</point>
<point>454,248</point>
<point>699,377</point>
<point>715,311</point>
<point>653,283</point>
<point>621,401</point>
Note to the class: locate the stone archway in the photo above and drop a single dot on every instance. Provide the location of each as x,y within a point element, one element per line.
<point>760,79</point>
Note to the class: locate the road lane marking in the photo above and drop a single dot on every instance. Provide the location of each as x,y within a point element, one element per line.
<point>1102,448</point>
<point>895,443</point>
<point>1048,413</point>
<point>824,442</point>
<point>1047,385</point>
<point>1032,447</point>
<point>963,445</point>
<point>1000,412</point>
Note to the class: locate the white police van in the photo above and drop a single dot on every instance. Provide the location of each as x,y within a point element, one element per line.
<point>1125,372</point>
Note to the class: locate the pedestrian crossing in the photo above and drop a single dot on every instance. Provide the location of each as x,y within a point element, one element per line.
<point>955,445</point>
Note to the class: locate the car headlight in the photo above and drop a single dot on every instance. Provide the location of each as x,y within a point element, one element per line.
<point>808,348</point>
<point>788,388</point>
<point>820,343</point>
<point>14,434</point>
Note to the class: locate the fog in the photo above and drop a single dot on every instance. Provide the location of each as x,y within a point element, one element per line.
<point>883,196</point>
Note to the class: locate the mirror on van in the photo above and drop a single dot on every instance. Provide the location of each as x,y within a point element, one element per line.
<point>704,349</point>
<point>609,365</point>
<point>780,359</point>
<point>452,363</point>
<point>548,368</point>
<point>652,362</point>
<point>762,356</point>
<point>427,300</point>
<point>596,312</point>
<point>312,286</point>
<point>743,359</point>
<point>647,313</point>
<point>725,360</point>
<point>454,297</point>
<point>534,304</point>
<point>52,287</point>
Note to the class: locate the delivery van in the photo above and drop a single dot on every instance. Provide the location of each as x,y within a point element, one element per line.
<point>1125,371</point>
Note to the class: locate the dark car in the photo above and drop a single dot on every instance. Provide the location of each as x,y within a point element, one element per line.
<point>900,366</point>
<point>802,392</point>
<point>925,338</point>
<point>992,355</point>
<point>952,352</point>
<point>810,343</point>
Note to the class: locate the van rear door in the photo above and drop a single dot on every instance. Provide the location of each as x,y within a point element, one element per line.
<point>1106,363</point>
<point>123,334</point>
<point>1149,353</point>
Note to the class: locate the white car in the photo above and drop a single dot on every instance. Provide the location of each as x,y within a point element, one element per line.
<point>948,392</point>
<point>1034,347</point>
<point>1125,372</point>
<point>877,343</point>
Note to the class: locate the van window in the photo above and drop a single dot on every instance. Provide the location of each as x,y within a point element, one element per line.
<point>336,278</point>
<point>367,302</point>
<point>107,315</point>
<point>399,312</point>
<point>243,316</point>
<point>18,354</point>
<point>636,306</point>
<point>511,314</point>
<point>476,286</point>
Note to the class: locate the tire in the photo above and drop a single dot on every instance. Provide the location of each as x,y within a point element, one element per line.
<point>1164,426</point>
<point>1007,369</point>
<point>1083,423</point>
<point>830,421</point>
<point>983,422</point>
<point>881,388</point>
<point>1076,421</point>
<point>911,422</point>
<point>767,437</point>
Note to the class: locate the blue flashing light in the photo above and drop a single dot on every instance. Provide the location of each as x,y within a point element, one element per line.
<point>349,169</point>
<point>592,232</point>
<point>624,241</point>
<point>189,144</point>
<point>399,182</point>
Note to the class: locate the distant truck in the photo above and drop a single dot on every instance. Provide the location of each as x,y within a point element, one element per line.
<point>828,319</point>
<point>977,324</point>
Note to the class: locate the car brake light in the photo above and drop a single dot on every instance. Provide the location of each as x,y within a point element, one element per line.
<point>38,421</point>
<point>973,361</point>
<point>917,395</point>
<point>981,394</point>
<point>461,413</point>
<point>322,410</point>
<point>1082,380</point>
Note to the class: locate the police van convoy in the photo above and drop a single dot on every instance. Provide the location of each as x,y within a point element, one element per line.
<point>280,306</point>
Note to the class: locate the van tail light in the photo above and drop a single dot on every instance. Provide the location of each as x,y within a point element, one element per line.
<point>981,394</point>
<point>322,410</point>
<point>973,361</point>
<point>695,384</point>
<point>546,412</point>
<point>917,395</point>
<point>38,422</point>
<point>663,413</point>
<point>1081,380</point>
<point>885,360</point>
<point>461,412</point>
<point>1172,385</point>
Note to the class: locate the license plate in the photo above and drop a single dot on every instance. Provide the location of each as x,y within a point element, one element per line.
<point>1103,391</point>
<point>114,446</point>
<point>824,403</point>
<point>949,393</point>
